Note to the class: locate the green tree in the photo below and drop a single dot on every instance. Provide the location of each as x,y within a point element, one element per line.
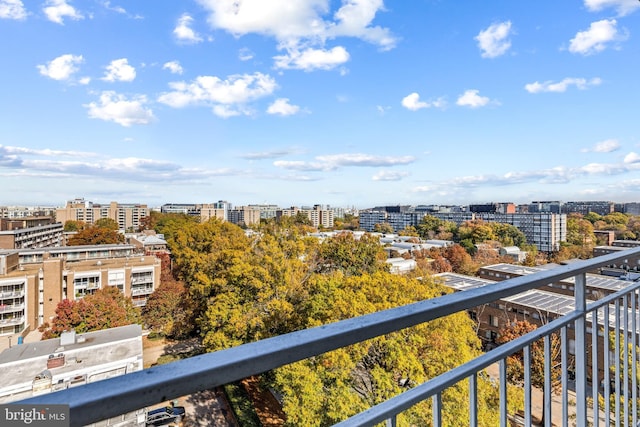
<point>593,217</point>
<point>617,218</point>
<point>168,310</point>
<point>476,231</point>
<point>409,231</point>
<point>431,227</point>
<point>383,227</point>
<point>279,281</point>
<point>108,223</point>
<point>328,388</point>
<point>95,236</point>
<point>579,231</point>
<point>350,255</point>
<point>106,308</point>
<point>168,223</point>
<point>507,234</point>
<point>349,222</point>
<point>72,225</point>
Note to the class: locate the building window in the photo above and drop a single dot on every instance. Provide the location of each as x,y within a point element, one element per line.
<point>87,285</point>
<point>494,321</point>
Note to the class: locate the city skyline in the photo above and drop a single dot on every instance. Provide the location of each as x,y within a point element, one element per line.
<point>351,103</point>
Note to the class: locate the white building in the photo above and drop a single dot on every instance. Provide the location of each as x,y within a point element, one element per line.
<point>41,367</point>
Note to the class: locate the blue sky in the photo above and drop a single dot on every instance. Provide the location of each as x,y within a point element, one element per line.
<point>347,103</point>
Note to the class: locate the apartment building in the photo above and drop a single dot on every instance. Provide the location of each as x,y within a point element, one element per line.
<point>551,206</point>
<point>32,232</point>
<point>503,208</point>
<point>36,368</point>
<point>127,216</point>
<point>244,216</point>
<point>628,266</point>
<point>537,307</point>
<point>596,285</point>
<point>13,212</point>
<point>544,230</point>
<point>318,215</point>
<point>205,211</point>
<point>599,207</point>
<point>266,211</point>
<point>33,282</point>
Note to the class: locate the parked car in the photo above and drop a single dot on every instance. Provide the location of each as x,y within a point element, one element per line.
<point>165,416</point>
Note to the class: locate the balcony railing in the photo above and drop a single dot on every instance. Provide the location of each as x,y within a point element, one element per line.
<point>617,322</point>
<point>11,321</point>
<point>144,290</point>
<point>11,308</point>
<point>11,294</point>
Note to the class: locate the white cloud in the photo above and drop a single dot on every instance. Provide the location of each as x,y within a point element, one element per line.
<point>596,38</point>
<point>412,102</point>
<point>312,59</point>
<point>268,154</point>
<point>334,161</point>
<point>471,98</point>
<point>184,32</point>
<point>494,41</point>
<point>556,175</point>
<point>561,86</point>
<point>245,54</point>
<point>56,10</point>
<point>47,152</point>
<point>12,9</point>
<point>117,108</point>
<point>623,7</point>
<point>46,163</point>
<point>606,146</point>
<point>354,19</point>
<point>359,159</point>
<point>382,109</point>
<point>61,68</point>
<point>301,28</point>
<point>389,176</point>
<point>300,165</point>
<point>173,66</point>
<point>289,21</point>
<point>225,95</point>
<point>226,111</point>
<point>117,9</point>
<point>282,107</point>
<point>119,70</point>
<point>632,158</point>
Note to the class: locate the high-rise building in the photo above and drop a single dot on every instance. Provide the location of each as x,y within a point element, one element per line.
<point>26,233</point>
<point>33,282</point>
<point>599,207</point>
<point>127,216</point>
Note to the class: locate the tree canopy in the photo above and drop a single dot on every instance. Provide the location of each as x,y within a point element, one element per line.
<point>278,281</point>
<point>106,308</point>
<point>95,235</point>
<point>108,223</point>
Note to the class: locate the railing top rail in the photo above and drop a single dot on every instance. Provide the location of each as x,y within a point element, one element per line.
<point>150,386</point>
<point>406,400</point>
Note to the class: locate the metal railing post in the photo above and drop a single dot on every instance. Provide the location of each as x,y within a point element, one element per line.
<point>581,350</point>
